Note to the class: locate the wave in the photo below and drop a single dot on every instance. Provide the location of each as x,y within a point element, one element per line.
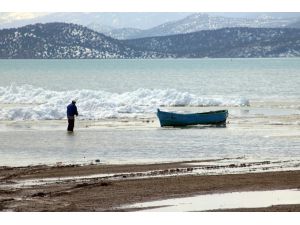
<point>48,104</point>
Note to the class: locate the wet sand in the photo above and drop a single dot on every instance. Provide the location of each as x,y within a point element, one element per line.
<point>116,185</point>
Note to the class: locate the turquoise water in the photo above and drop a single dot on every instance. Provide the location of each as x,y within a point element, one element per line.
<point>251,78</point>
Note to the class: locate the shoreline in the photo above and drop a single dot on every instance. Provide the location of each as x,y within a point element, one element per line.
<point>101,187</point>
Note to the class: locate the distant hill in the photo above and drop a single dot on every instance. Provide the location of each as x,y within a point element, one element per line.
<point>226,42</point>
<point>71,41</point>
<point>125,33</point>
<point>199,21</point>
<point>295,24</point>
<point>63,41</point>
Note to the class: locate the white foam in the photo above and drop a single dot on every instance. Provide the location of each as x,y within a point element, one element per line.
<point>48,104</point>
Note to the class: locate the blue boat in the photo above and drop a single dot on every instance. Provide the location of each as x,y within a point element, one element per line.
<point>175,119</point>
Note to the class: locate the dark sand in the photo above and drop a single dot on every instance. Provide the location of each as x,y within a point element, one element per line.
<point>134,183</point>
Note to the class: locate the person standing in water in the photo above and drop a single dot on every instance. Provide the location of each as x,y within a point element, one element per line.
<point>71,113</point>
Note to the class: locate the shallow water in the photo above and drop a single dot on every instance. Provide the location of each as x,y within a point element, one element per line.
<point>132,141</point>
<point>223,201</point>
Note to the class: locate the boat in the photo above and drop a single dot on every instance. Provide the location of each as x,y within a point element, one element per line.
<point>206,118</point>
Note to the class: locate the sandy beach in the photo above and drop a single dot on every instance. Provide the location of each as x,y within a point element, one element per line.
<point>101,187</point>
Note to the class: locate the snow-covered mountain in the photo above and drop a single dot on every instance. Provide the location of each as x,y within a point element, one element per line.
<point>253,15</point>
<point>225,42</point>
<point>71,41</point>
<point>199,21</point>
<point>63,41</point>
<point>136,25</point>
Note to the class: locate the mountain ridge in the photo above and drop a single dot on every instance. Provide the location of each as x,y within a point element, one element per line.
<point>200,21</point>
<point>71,41</point>
<point>226,42</point>
<point>62,40</point>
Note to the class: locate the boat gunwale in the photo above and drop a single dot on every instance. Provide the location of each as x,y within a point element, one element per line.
<point>187,114</point>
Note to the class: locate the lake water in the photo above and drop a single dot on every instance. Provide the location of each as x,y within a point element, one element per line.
<point>117,101</point>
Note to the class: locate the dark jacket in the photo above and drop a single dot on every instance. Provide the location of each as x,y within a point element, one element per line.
<point>71,111</point>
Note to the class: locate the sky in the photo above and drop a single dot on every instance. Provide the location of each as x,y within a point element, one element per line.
<point>20,10</point>
<point>150,6</point>
<point>12,16</point>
